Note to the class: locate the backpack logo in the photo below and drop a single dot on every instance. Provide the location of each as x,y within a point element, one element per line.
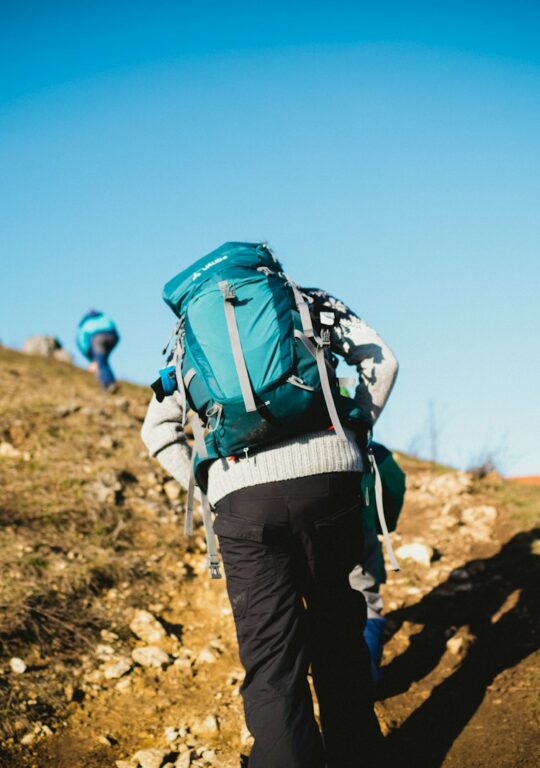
<point>210,264</point>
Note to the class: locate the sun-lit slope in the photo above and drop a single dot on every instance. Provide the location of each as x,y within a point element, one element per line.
<point>91,535</point>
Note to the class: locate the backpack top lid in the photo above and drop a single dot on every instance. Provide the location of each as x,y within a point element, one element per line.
<point>180,288</point>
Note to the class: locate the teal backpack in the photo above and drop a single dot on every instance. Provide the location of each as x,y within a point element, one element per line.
<point>250,361</point>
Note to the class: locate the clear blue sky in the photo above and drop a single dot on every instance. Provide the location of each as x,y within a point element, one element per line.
<point>389,152</point>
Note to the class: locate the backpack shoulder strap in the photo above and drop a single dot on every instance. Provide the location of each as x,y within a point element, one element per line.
<point>229,296</point>
<point>316,345</point>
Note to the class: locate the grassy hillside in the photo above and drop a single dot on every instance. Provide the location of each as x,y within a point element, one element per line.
<point>91,536</point>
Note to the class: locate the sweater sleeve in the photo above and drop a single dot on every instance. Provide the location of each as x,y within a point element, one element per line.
<point>164,437</point>
<point>362,347</point>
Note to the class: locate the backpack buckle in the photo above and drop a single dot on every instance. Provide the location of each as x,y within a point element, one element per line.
<point>325,337</point>
<point>229,294</point>
<point>213,565</point>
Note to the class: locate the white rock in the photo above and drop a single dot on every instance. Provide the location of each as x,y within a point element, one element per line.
<point>455,645</point>
<point>484,515</point>
<point>44,346</point>
<point>146,627</point>
<point>477,523</point>
<point>172,490</point>
<point>413,591</point>
<point>107,443</point>
<point>107,741</point>
<point>171,734</point>
<point>94,677</point>
<point>246,739</point>
<point>104,652</point>
<point>184,760</point>
<point>117,669</point>
<point>207,727</point>
<point>17,665</point>
<point>150,656</point>
<point>8,451</point>
<point>206,657</point>
<point>124,685</point>
<point>126,763</point>
<point>150,758</point>
<point>182,663</point>
<point>420,553</point>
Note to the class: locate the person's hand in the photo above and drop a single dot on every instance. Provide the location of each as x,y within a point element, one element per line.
<point>92,367</point>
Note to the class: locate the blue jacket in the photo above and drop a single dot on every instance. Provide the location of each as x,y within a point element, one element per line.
<point>92,323</point>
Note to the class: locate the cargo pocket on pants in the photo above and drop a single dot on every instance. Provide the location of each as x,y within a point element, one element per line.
<point>339,538</point>
<point>248,561</point>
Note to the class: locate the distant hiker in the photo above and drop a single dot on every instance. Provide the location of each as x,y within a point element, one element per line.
<point>370,573</point>
<point>97,336</point>
<point>278,455</point>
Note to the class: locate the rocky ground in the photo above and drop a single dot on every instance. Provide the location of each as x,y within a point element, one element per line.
<point>117,650</point>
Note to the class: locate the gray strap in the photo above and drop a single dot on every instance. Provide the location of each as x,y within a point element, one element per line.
<point>298,382</point>
<point>303,309</point>
<point>198,435</point>
<point>327,392</point>
<point>211,544</point>
<point>322,364</point>
<point>309,345</point>
<point>380,513</point>
<point>213,417</point>
<point>188,519</point>
<point>238,355</point>
<point>179,352</point>
<point>188,378</point>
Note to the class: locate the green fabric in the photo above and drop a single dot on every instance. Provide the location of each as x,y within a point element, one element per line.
<point>394,484</point>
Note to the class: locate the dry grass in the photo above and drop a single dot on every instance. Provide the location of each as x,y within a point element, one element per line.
<point>61,547</point>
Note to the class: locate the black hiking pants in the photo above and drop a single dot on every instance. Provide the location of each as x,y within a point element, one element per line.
<point>288,548</point>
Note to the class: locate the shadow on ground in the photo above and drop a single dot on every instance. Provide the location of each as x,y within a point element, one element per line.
<point>499,601</point>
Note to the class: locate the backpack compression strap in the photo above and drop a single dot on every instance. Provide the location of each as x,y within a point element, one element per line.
<point>317,350</point>
<point>380,511</point>
<point>211,545</point>
<point>238,356</point>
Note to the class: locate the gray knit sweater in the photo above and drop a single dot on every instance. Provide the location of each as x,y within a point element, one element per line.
<point>310,454</point>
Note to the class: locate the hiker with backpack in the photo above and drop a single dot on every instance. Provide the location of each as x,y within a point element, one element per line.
<point>97,336</point>
<point>279,457</point>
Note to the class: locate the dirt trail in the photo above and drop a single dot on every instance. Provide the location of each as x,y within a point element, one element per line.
<point>90,539</point>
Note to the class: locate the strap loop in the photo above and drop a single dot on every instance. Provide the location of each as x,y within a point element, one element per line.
<point>211,545</point>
